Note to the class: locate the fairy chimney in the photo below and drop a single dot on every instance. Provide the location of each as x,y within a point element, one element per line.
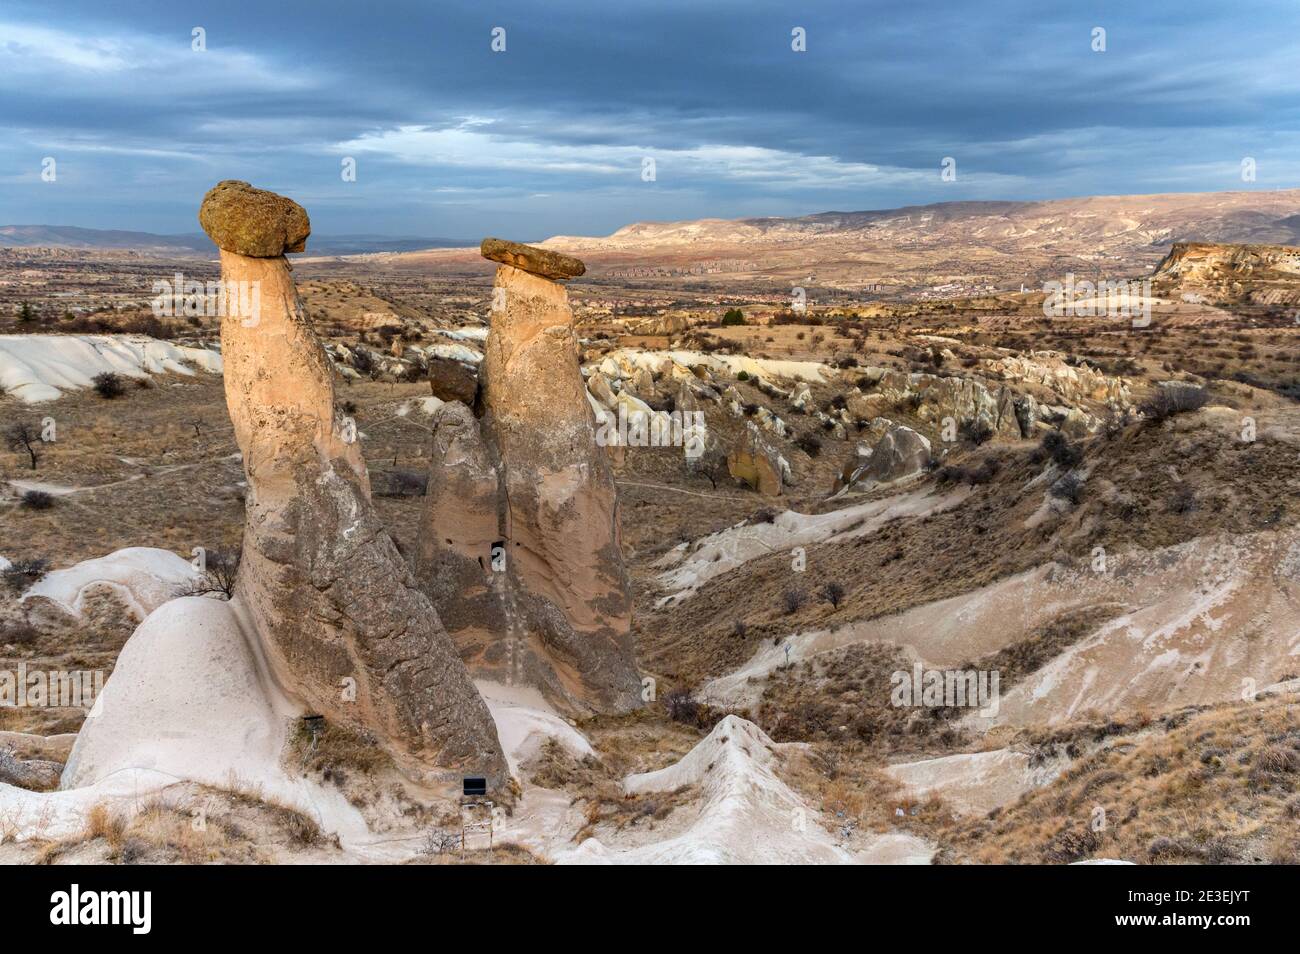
<point>550,606</point>
<point>344,627</point>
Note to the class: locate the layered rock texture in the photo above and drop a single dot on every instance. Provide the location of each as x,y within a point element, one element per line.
<point>520,550</point>
<point>897,454</point>
<point>336,611</point>
<point>1230,274</point>
<point>755,462</point>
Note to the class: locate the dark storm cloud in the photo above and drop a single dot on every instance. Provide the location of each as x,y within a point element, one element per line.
<point>453,139</point>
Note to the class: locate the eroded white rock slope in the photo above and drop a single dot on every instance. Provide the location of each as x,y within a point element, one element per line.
<point>143,578</point>
<point>687,567</point>
<point>36,368</point>
<point>192,700</point>
<point>189,700</point>
<point>1191,623</point>
<point>745,813</point>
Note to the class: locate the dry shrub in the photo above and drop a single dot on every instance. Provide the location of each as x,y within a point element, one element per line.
<point>102,823</point>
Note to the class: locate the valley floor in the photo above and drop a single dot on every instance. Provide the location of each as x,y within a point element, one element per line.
<point>1134,584</point>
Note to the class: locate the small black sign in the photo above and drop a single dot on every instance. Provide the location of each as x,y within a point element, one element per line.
<point>475,785</point>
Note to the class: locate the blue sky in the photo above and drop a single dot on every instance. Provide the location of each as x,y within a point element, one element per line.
<point>549,137</point>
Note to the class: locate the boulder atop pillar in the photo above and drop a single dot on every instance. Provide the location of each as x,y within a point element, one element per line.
<point>253,222</point>
<point>538,261</point>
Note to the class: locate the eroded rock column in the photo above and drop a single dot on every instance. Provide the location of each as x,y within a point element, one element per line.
<point>344,626</point>
<point>556,613</point>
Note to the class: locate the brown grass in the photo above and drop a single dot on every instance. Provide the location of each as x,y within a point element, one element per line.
<point>1214,786</point>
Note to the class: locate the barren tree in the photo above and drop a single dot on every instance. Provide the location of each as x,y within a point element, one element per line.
<point>833,592</point>
<point>220,569</point>
<point>713,464</point>
<point>22,437</point>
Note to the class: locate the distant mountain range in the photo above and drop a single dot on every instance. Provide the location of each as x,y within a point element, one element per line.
<point>71,236</point>
<point>943,249</point>
<point>969,244</point>
<point>947,247</point>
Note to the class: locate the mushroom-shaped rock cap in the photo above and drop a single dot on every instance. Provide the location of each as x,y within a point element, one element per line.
<point>539,261</point>
<point>252,221</point>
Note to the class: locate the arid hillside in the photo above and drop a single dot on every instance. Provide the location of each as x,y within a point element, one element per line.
<point>947,248</point>
<point>809,505</point>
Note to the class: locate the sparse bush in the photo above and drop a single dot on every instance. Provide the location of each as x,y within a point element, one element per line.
<point>20,633</point>
<point>439,842</point>
<point>108,385</point>
<point>793,600</point>
<point>976,431</point>
<point>1069,487</point>
<point>38,500</point>
<point>957,474</point>
<point>680,706</point>
<point>833,593</point>
<point>1273,764</point>
<point>1163,847</point>
<point>713,465</point>
<point>1062,453</point>
<point>363,362</point>
<point>1072,845</point>
<point>810,444</point>
<point>303,830</point>
<point>1173,399</point>
<point>23,573</point>
<point>683,708</point>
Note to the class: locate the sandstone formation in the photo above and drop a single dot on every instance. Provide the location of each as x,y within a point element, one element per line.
<point>1037,392</point>
<point>452,380</point>
<point>338,616</point>
<point>550,607</point>
<point>669,324</point>
<point>756,463</point>
<point>1230,274</point>
<point>1069,383</point>
<point>529,258</point>
<point>899,453</point>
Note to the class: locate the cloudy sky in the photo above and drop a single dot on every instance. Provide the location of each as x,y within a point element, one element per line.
<point>551,136</point>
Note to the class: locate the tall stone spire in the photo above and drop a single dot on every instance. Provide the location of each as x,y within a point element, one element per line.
<point>343,625</point>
